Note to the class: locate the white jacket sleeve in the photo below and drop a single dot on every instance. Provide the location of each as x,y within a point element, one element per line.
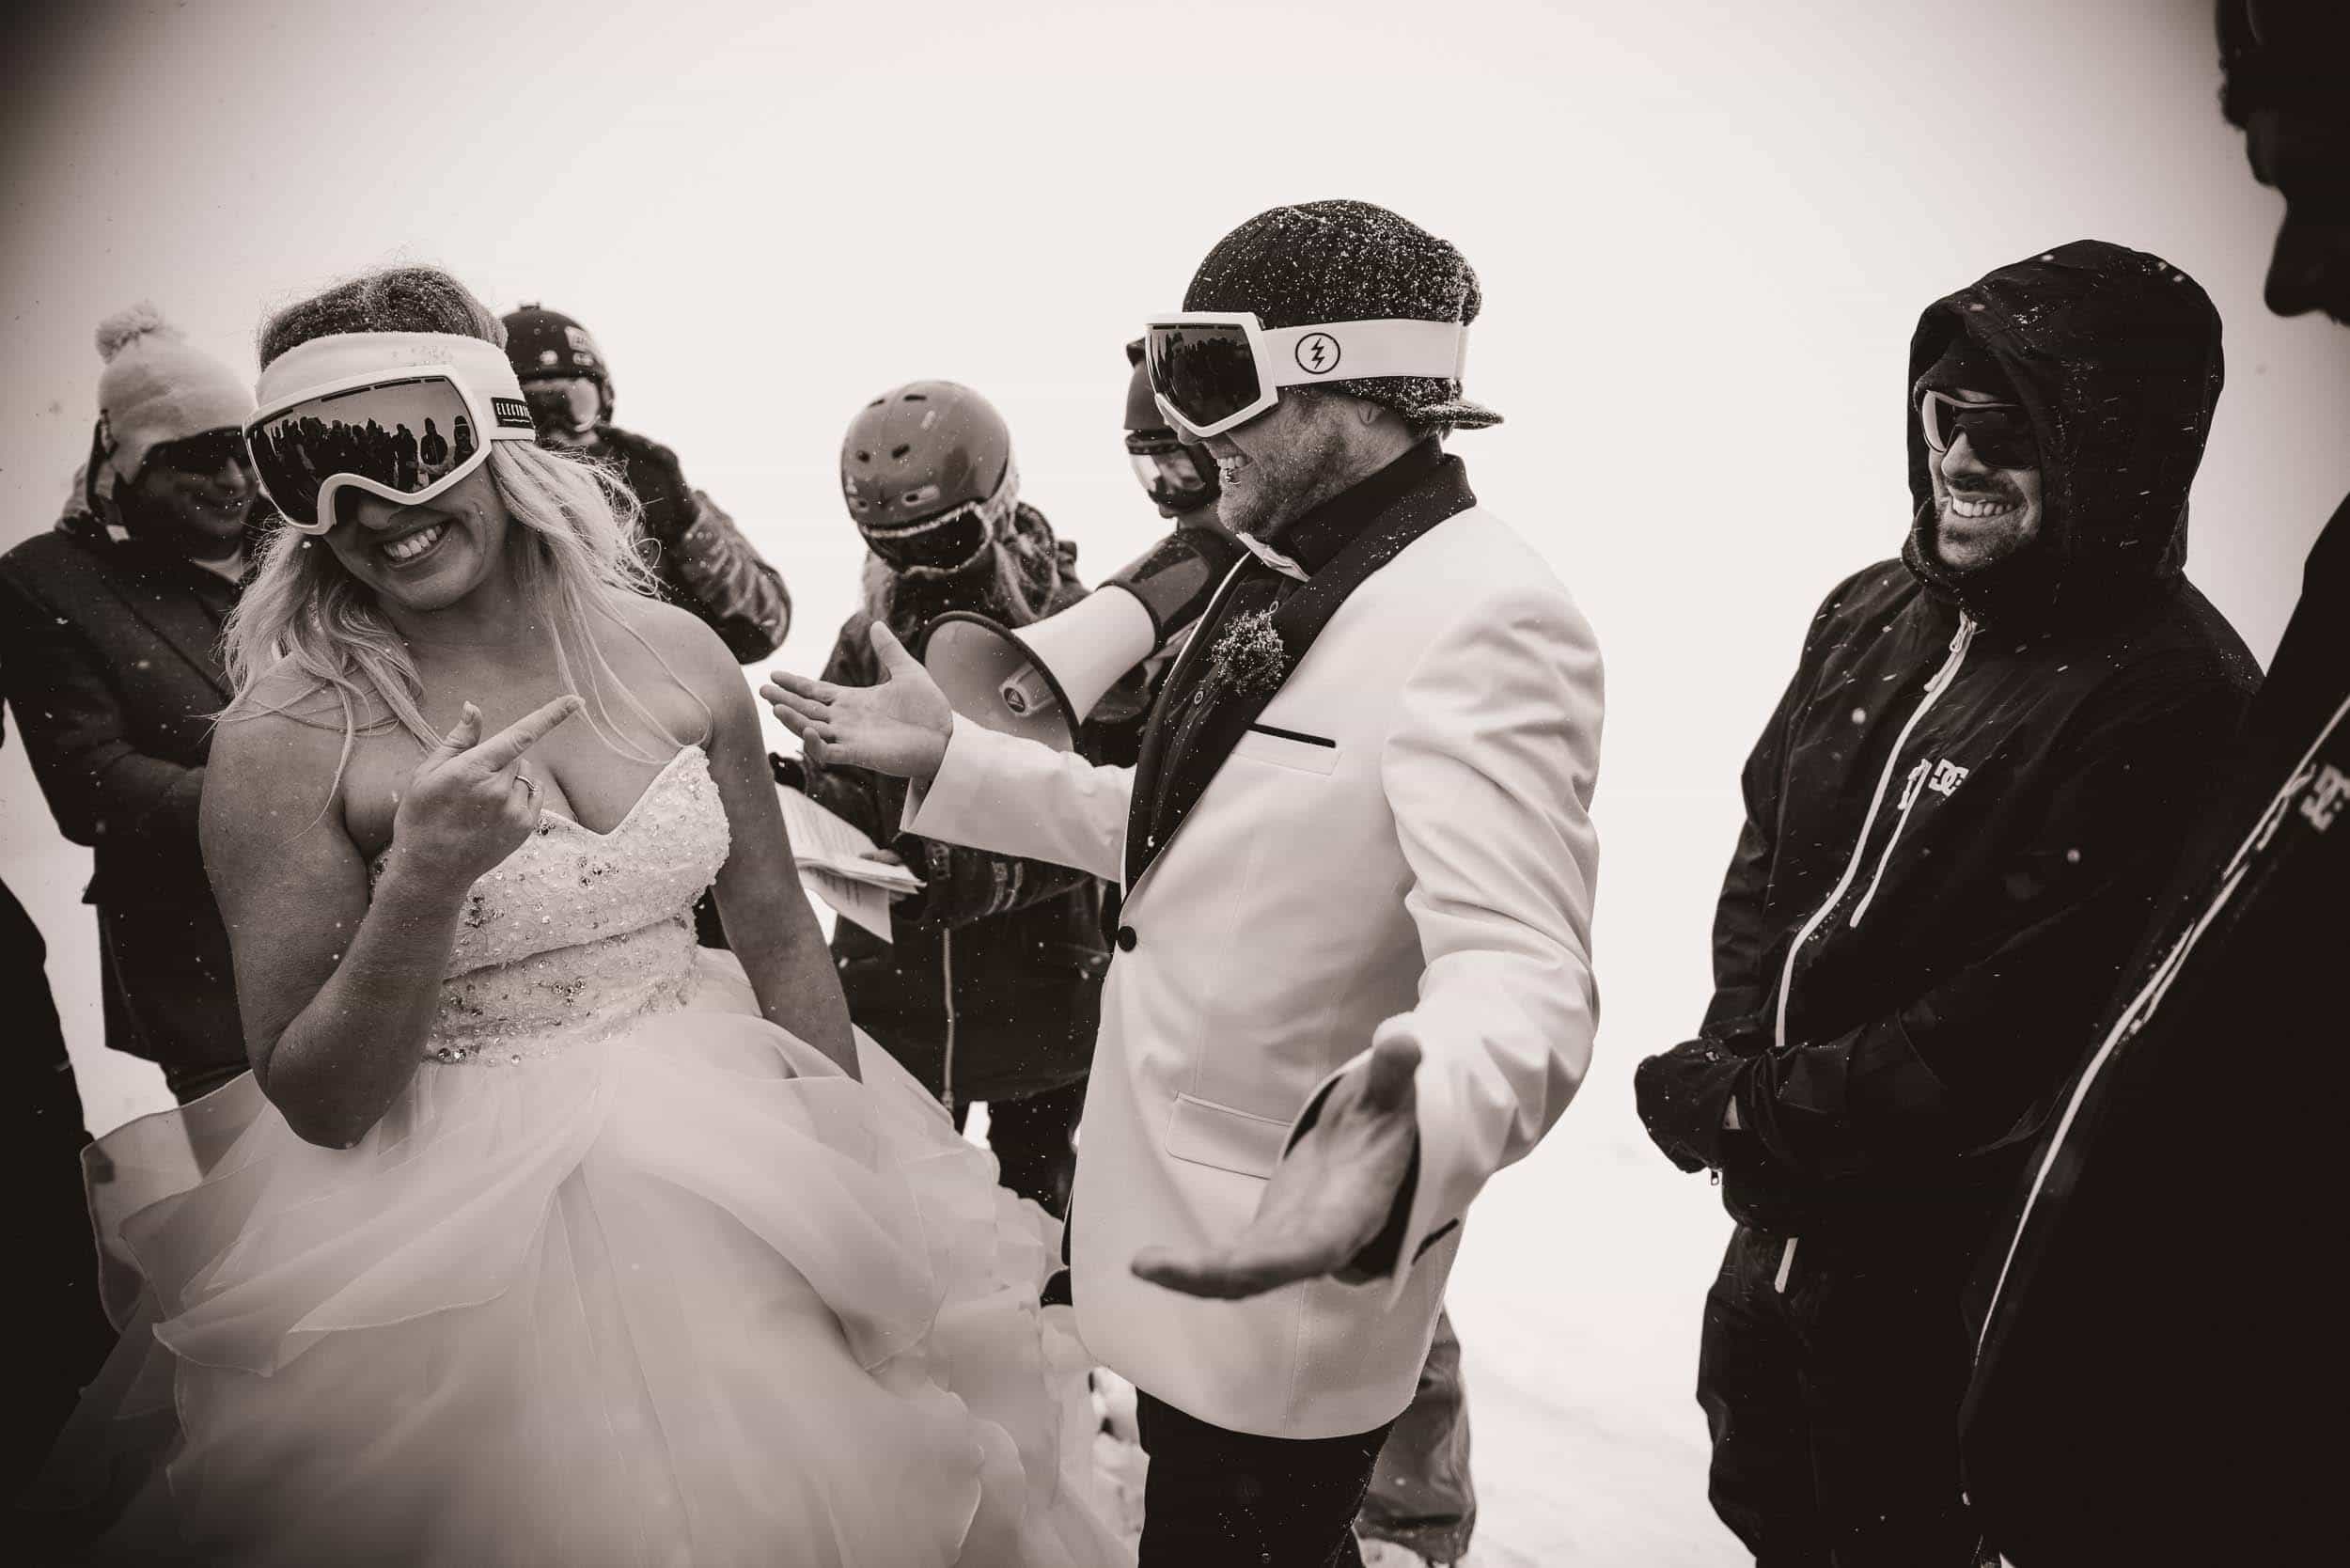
<point>1489,773</point>
<point>998,793</point>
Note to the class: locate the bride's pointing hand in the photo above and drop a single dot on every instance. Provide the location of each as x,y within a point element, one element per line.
<point>468,805</point>
<point>899,727</point>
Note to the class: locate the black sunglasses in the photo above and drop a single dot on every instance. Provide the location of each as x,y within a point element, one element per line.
<point>2000,434</point>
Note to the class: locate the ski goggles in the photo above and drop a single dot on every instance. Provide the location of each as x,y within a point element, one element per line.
<point>1176,476</point>
<point>950,542</point>
<point>2000,434</point>
<point>1212,371</point>
<point>403,416</point>
<point>205,453</point>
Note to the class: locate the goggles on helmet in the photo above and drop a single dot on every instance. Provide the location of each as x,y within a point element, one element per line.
<point>1212,370</point>
<point>403,416</point>
<point>949,543</point>
<point>2000,434</point>
<point>569,405</point>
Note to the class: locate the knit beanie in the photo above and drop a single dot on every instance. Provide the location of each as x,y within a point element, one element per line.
<point>158,388</point>
<point>1348,262</point>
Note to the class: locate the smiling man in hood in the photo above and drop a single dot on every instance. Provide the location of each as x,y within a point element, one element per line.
<point>1957,821</point>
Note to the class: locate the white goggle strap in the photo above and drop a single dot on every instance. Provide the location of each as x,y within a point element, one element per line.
<point>1357,350</point>
<point>342,360</point>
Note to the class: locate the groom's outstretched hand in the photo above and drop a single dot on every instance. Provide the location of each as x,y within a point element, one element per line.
<point>1330,1196</point>
<point>899,727</point>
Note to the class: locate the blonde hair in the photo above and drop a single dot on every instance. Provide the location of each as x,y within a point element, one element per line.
<point>568,544</point>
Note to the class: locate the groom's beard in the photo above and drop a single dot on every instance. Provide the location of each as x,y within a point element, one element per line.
<point>1275,488</point>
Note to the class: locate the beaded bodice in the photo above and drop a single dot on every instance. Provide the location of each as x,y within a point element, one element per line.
<point>577,933</point>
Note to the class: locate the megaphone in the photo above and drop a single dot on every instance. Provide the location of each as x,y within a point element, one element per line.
<point>1039,681</point>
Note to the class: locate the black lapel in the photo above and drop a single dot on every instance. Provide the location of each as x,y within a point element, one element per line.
<point>172,612</point>
<point>1175,783</point>
<point>1190,666</point>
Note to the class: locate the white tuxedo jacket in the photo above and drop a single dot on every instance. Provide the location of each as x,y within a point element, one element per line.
<point>1421,864</point>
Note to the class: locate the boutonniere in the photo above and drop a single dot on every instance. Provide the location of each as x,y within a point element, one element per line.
<point>1248,659</point>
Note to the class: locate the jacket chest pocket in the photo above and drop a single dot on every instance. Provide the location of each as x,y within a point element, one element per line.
<point>1205,1133</point>
<point>1295,749</point>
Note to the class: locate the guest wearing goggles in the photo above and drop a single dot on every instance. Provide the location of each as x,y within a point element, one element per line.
<point>112,626</point>
<point>990,987</point>
<point>699,555</point>
<point>1354,975</point>
<point>1956,821</point>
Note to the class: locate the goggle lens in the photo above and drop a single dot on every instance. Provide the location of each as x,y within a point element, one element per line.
<point>1999,434</point>
<point>1171,476</point>
<point>1206,371</point>
<point>406,434</point>
<point>938,546</point>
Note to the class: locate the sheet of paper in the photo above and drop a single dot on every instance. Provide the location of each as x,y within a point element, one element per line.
<point>860,901</point>
<point>826,841</point>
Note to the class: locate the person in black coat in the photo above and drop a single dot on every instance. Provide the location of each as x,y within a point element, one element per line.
<point>699,559</point>
<point>110,628</point>
<point>2159,1345</point>
<point>990,989</point>
<point>1958,821</point>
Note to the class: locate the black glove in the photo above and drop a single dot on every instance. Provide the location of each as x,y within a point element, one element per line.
<point>1681,1095</point>
<point>790,772</point>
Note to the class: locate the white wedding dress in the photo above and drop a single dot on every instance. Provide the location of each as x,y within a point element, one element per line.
<point>627,1276</point>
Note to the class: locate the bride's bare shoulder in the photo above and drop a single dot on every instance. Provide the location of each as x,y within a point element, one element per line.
<point>286,735</point>
<point>691,650</point>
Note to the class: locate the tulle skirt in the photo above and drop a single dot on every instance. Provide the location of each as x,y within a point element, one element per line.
<point>685,1295</point>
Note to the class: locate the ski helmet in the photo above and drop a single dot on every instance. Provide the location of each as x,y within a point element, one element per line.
<point>1178,478</point>
<point>927,472</point>
<point>541,344</point>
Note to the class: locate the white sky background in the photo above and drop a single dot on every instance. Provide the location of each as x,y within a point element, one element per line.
<point>1704,232</point>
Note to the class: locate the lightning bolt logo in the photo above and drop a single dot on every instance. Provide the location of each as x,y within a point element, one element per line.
<point>1318,354</point>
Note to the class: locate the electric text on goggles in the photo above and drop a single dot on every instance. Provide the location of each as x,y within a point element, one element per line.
<point>403,416</point>
<point>2000,434</point>
<point>1212,371</point>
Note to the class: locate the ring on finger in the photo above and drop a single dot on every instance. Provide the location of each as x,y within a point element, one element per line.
<point>529,784</point>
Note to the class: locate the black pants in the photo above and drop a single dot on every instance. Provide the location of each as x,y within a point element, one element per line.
<point>1034,1142</point>
<point>1215,1499</point>
<point>1831,1380</point>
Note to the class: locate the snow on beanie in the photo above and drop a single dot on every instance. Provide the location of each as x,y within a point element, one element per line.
<point>157,387</point>
<point>1348,262</point>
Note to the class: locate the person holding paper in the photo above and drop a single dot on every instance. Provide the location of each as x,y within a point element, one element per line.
<point>989,986</point>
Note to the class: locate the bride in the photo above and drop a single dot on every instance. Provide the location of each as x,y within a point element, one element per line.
<point>538,1235</point>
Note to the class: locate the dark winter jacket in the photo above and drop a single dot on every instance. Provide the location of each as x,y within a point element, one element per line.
<point>991,987</point>
<point>2164,1321</point>
<point>699,556</point>
<point>109,652</point>
<point>1970,795</point>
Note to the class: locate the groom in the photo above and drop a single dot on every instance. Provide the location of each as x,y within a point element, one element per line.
<point>1353,979</point>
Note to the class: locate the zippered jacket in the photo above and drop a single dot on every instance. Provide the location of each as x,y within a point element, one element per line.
<point>1973,790</point>
<point>991,987</point>
<point>2197,1144</point>
<point>699,559</point>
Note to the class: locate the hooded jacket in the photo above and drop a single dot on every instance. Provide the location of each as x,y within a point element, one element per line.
<point>991,988</point>
<point>1967,800</point>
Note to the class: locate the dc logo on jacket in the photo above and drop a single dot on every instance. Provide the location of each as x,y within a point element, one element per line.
<point>1947,776</point>
<point>2324,801</point>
